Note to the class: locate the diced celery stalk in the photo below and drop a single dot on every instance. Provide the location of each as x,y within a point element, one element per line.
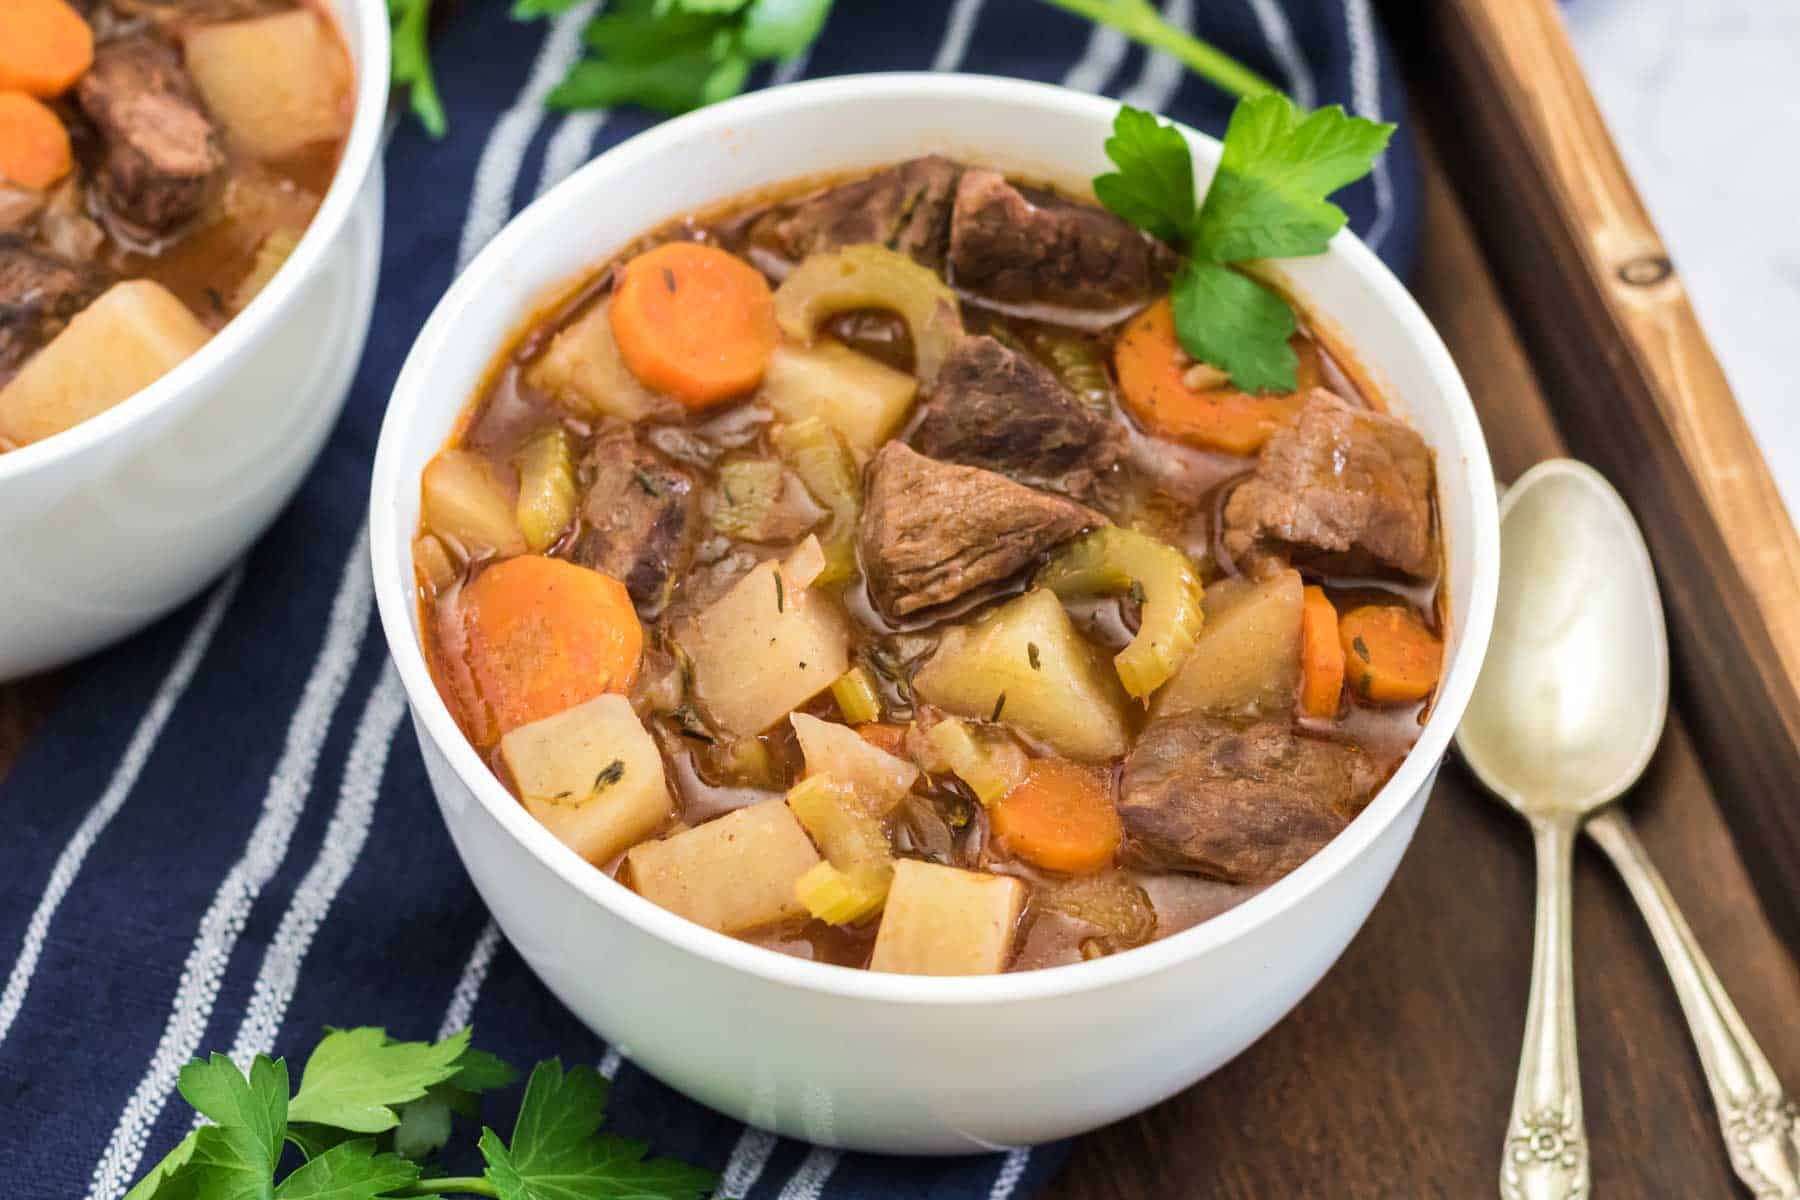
<point>546,465</point>
<point>840,897</point>
<point>819,457</point>
<point>989,776</point>
<point>748,490</point>
<point>847,833</point>
<point>872,277</point>
<point>856,696</point>
<point>1114,560</point>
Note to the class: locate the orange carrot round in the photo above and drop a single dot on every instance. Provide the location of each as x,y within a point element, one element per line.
<point>695,322</point>
<point>1154,377</point>
<point>542,635</point>
<point>34,146</point>
<point>1389,655</point>
<point>45,46</point>
<point>1321,656</point>
<point>1059,817</point>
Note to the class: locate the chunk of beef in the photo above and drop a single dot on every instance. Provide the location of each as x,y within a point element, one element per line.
<point>905,208</point>
<point>1040,250</point>
<point>39,292</point>
<point>163,158</point>
<point>637,519</point>
<point>996,408</point>
<point>934,531</point>
<point>1242,803</point>
<point>1339,480</point>
<point>177,15</point>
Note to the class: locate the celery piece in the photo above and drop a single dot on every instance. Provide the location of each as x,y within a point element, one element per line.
<point>1123,560</point>
<point>819,457</point>
<point>846,832</point>
<point>872,277</point>
<point>546,505</point>
<point>840,897</point>
<point>988,770</point>
<point>856,696</point>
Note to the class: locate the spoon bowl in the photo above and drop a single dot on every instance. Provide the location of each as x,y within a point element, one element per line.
<point>1572,697</point>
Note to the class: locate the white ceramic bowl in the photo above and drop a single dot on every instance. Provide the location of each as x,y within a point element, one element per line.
<point>853,1058</point>
<point>109,525</point>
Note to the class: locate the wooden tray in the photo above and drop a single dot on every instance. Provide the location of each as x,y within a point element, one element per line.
<point>1393,1079</point>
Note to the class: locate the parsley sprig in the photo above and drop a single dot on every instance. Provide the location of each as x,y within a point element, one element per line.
<point>1267,200</point>
<point>369,1109</point>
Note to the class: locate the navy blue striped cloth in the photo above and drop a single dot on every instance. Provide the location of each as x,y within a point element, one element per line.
<point>223,840</point>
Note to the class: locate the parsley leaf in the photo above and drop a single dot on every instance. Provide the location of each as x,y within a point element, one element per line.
<point>352,1171</point>
<point>1154,185</point>
<point>356,1076</point>
<point>410,61</point>
<point>557,1152</point>
<point>1268,198</point>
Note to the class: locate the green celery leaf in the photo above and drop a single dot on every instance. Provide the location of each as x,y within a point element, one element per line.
<point>424,1127</point>
<point>557,1152</point>
<point>644,39</point>
<point>707,6</point>
<point>1154,185</point>
<point>153,1184</point>
<point>355,1077</point>
<point>1268,198</point>
<point>351,1171</point>
<point>531,10</point>
<point>479,1071</point>
<point>1236,324</point>
<point>314,1140</point>
<point>258,1105</point>
<point>410,62</point>
<point>726,80</point>
<point>671,85</point>
<point>782,29</point>
<point>226,1164</point>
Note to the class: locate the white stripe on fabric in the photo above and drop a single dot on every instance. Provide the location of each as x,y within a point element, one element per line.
<point>570,146</point>
<point>1011,1171</point>
<point>1365,99</point>
<point>792,69</point>
<point>223,922</point>
<point>957,32</point>
<point>118,788</point>
<point>497,172</point>
<point>1161,77</point>
<point>1099,62</point>
<point>279,974</point>
<point>1280,36</point>
<point>811,1176</point>
<point>610,1062</point>
<point>745,1166</point>
<point>468,985</point>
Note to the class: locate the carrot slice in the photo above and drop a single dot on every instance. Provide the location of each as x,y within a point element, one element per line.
<point>695,322</point>
<point>1321,656</point>
<point>1059,817</point>
<point>1156,377</point>
<point>1389,655</point>
<point>541,635</point>
<point>34,146</point>
<point>45,46</point>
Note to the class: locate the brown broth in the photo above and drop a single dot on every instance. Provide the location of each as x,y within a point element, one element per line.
<point>1184,486</point>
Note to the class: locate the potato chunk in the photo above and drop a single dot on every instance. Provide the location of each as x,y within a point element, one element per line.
<point>1024,665</point>
<point>592,775</point>
<point>946,921</point>
<point>840,753</point>
<point>733,874</point>
<point>276,83</point>
<point>583,372</point>
<point>127,339</point>
<point>864,400</point>
<point>768,645</point>
<point>1246,661</point>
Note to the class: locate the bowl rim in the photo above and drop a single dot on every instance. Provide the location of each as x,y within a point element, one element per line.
<point>244,332</point>
<point>395,590</point>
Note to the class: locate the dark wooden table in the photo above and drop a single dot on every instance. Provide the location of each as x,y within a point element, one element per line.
<point>1393,1079</point>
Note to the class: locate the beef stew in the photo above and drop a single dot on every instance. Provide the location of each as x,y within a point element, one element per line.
<point>159,161</point>
<point>901,596</point>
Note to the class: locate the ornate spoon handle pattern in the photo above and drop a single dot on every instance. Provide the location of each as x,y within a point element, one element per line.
<point>1756,1115</point>
<point>1546,1154</point>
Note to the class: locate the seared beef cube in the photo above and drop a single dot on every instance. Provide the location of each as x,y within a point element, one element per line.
<point>1242,803</point>
<point>637,517</point>
<point>163,159</point>
<point>996,408</point>
<point>1340,480</point>
<point>934,531</point>
<point>1040,250</point>
<point>39,292</point>
<point>905,208</point>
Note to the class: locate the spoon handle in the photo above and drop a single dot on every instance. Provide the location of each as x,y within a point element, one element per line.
<point>1758,1118</point>
<point>1545,1156</point>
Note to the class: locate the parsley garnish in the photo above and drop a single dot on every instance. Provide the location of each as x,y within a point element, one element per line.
<point>1267,200</point>
<point>368,1107</point>
<point>1031,654</point>
<point>1361,647</point>
<point>609,775</point>
<point>642,477</point>
<point>999,706</point>
<point>780,595</point>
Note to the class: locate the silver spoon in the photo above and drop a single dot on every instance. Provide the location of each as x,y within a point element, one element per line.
<point>1567,712</point>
